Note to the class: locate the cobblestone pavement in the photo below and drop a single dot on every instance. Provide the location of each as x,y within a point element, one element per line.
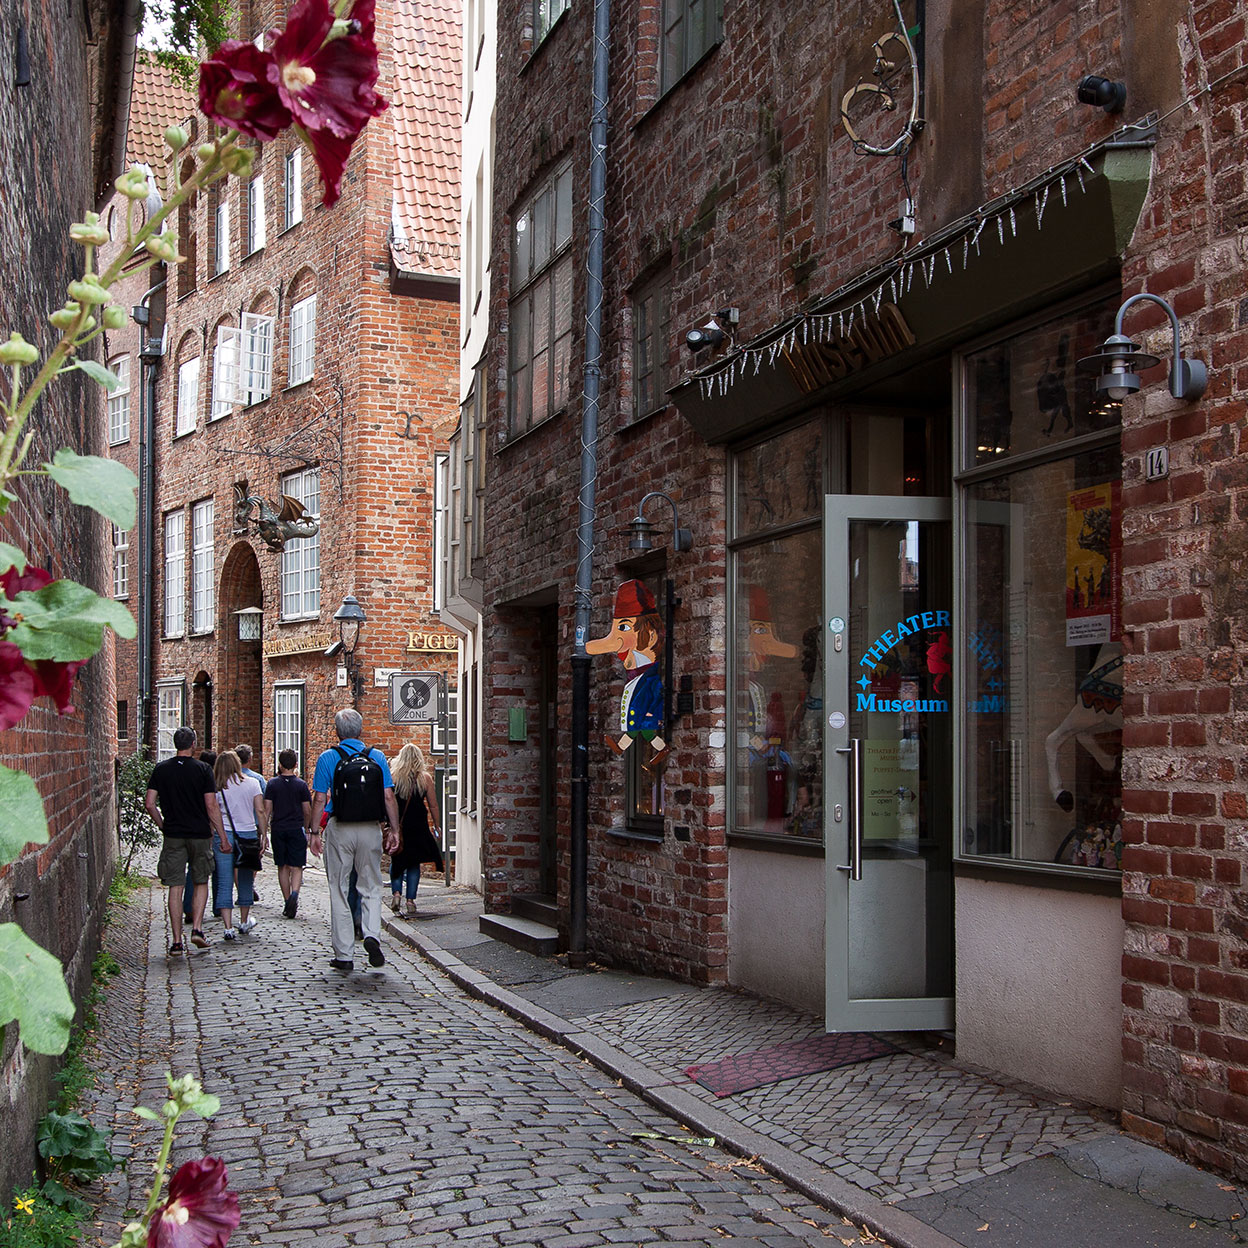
<point>388,1106</point>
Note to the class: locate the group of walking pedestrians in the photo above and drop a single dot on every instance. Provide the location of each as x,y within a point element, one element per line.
<point>218,818</point>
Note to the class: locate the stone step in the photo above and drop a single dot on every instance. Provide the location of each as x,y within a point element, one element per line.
<point>526,934</point>
<point>539,907</point>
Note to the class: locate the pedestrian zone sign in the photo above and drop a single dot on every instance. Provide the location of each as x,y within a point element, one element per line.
<point>416,698</point>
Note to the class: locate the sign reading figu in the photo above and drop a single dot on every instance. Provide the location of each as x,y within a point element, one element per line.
<point>885,686</point>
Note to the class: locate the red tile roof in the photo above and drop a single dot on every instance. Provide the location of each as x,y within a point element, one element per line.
<point>425,97</point>
<point>156,103</point>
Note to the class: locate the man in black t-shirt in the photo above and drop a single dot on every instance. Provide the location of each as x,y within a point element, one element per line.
<point>288,803</point>
<point>182,801</point>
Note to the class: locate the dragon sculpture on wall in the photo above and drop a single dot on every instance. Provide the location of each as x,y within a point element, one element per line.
<point>275,525</point>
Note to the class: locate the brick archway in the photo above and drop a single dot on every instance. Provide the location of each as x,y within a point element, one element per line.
<point>240,678</point>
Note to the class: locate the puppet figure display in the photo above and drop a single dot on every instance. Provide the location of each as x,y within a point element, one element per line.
<point>635,636</point>
<point>766,715</point>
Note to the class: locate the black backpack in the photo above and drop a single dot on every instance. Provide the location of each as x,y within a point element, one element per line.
<point>358,789</point>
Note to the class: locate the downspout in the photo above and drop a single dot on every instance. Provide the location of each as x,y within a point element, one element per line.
<point>579,828</point>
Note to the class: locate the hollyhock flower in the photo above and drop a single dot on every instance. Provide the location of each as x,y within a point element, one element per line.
<point>236,90</point>
<point>200,1211</point>
<point>17,685</point>
<point>14,582</point>
<point>22,681</point>
<point>56,680</point>
<point>325,72</point>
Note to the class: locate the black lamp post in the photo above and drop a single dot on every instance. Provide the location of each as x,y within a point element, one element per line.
<point>351,617</point>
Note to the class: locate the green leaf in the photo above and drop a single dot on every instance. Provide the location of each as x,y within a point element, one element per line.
<point>32,991</point>
<point>65,621</point>
<point>142,1111</point>
<point>22,821</point>
<point>97,372</point>
<point>11,557</point>
<point>205,1105</point>
<point>104,485</point>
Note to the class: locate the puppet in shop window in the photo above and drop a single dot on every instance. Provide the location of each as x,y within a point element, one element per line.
<point>635,635</point>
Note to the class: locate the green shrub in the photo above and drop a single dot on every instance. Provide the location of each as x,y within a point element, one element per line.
<point>35,1222</point>
<point>134,824</point>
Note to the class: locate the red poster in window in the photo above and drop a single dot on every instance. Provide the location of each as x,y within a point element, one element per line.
<point>1094,565</point>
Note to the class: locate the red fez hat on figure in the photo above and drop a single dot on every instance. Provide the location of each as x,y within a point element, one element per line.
<point>760,604</point>
<point>633,599</point>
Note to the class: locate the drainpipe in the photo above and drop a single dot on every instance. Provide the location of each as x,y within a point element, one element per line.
<point>579,830</point>
<point>151,350</point>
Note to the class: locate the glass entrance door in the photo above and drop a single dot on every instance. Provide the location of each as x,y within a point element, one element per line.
<point>888,763</point>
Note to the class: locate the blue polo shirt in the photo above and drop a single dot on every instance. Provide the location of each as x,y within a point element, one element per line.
<point>323,776</point>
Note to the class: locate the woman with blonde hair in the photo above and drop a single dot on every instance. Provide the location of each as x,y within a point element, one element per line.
<point>246,828</point>
<point>419,824</point>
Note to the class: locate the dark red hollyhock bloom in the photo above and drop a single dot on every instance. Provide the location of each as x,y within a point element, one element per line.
<point>56,680</point>
<point>17,685</point>
<point>236,90</point>
<point>13,581</point>
<point>200,1211</point>
<point>328,86</point>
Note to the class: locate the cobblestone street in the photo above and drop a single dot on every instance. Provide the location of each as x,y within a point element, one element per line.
<point>388,1106</point>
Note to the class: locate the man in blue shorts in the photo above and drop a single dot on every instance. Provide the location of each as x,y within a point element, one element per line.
<point>356,842</point>
<point>288,804</point>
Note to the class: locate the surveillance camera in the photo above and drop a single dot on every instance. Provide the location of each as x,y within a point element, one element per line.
<point>333,649</point>
<point>710,335</point>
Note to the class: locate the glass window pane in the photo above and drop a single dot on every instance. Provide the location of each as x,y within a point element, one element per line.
<point>541,231</point>
<point>521,247</point>
<point>780,481</point>
<point>778,675</point>
<point>563,207</point>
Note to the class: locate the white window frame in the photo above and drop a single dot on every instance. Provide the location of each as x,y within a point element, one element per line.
<point>256,373</point>
<point>221,247</point>
<point>254,225</point>
<point>302,341</point>
<point>121,562</point>
<point>301,556</point>
<point>123,720</point>
<point>289,709</point>
<point>441,504</point>
<point>188,397</point>
<point>545,14</point>
<point>450,779</point>
<point>170,716</point>
<point>226,372</point>
<point>175,573</point>
<point>293,212</point>
<point>119,402</point>
<point>203,579</point>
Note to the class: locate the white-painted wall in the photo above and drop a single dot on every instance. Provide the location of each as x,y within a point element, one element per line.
<point>775,926</point>
<point>1039,983</point>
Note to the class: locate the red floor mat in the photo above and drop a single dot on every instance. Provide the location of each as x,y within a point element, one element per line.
<point>788,1061</point>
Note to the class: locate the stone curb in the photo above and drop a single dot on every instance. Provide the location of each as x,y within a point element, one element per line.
<point>835,1194</point>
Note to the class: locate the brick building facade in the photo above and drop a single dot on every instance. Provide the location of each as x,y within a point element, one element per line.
<point>309,353</point>
<point>61,123</point>
<point>928,550</point>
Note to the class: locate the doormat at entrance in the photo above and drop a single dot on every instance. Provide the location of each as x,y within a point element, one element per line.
<point>788,1061</point>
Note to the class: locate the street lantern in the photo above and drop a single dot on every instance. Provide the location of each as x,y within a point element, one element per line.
<point>351,617</point>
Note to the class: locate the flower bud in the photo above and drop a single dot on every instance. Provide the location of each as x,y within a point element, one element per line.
<point>205,151</point>
<point>17,351</point>
<point>64,317</point>
<point>114,317</point>
<point>132,184</point>
<point>238,160</point>
<point>88,235</point>
<point>164,247</point>
<point>88,291</point>
<point>177,137</point>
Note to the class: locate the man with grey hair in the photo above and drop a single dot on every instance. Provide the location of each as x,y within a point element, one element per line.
<point>356,779</point>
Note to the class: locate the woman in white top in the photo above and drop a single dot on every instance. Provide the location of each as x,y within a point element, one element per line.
<point>242,815</point>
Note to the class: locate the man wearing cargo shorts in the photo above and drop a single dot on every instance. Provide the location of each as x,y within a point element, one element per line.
<point>182,801</point>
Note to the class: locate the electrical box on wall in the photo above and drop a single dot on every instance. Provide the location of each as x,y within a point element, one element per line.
<point>684,699</point>
<point>517,724</point>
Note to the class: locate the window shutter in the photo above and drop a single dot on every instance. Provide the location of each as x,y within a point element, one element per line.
<point>257,356</point>
<point>227,378</point>
<point>257,209</point>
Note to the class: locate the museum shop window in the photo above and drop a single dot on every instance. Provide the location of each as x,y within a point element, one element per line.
<point>1041,606</point>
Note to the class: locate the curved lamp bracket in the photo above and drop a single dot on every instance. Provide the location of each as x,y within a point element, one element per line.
<point>642,529</point>
<point>884,70</point>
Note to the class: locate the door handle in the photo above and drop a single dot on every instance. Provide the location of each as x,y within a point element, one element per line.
<point>854,750</point>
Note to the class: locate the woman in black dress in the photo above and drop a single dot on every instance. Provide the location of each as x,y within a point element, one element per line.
<point>419,825</point>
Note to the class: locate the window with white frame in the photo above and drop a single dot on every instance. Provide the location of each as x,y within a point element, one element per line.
<point>301,556</point>
<point>225,372</point>
<point>540,334</point>
<point>254,215</point>
<point>294,188</point>
<point>221,249</point>
<point>257,356</point>
<point>188,397</point>
<point>175,573</point>
<point>302,341</point>
<point>441,500</point>
<point>121,562</point>
<point>447,739</point>
<point>545,14</point>
<point>169,716</point>
<point>288,720</point>
<point>691,28</point>
<point>119,402</point>
<point>203,595</point>
<point>123,720</point>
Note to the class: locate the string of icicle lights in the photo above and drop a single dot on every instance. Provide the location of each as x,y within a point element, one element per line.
<point>929,261</point>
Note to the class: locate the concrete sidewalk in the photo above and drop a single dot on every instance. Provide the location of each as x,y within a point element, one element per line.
<point>925,1152</point>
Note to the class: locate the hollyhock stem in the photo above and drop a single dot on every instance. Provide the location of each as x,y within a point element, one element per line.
<point>162,1163</point>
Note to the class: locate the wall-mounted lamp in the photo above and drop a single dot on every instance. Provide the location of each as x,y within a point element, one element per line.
<point>1102,93</point>
<point>1119,357</point>
<point>351,617</point>
<point>249,620</point>
<point>641,530</point>
<point>723,325</point>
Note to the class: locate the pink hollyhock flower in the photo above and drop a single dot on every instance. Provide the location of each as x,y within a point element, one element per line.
<point>200,1211</point>
<point>17,685</point>
<point>235,90</point>
<point>327,82</point>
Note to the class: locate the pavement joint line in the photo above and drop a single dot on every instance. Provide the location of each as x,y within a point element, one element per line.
<point>813,1181</point>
